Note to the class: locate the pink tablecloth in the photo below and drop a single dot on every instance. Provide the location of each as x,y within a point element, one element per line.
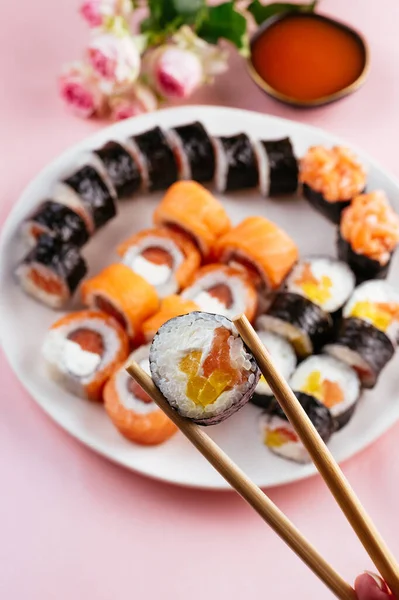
<point>74,526</point>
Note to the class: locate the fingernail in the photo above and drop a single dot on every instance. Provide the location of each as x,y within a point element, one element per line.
<point>379,582</point>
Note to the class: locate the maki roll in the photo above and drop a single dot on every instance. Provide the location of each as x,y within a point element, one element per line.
<point>131,410</point>
<point>127,297</point>
<point>86,191</point>
<point>368,236</point>
<point>193,152</point>
<point>223,290</point>
<point>236,165</point>
<point>304,324</point>
<point>82,350</point>
<point>325,281</point>
<point>58,220</point>
<point>167,259</point>
<point>332,382</point>
<point>121,168</point>
<point>284,359</point>
<point>202,367</point>
<point>376,302</point>
<point>363,347</point>
<point>281,438</point>
<point>51,271</point>
<point>190,208</point>
<point>172,306</point>
<point>331,177</point>
<point>261,249</point>
<point>278,167</point>
<point>156,159</point>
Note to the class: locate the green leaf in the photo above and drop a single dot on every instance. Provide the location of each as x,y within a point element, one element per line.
<point>188,8</point>
<point>261,12</point>
<point>223,21</point>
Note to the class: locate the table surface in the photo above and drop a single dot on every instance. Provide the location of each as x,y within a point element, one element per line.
<point>72,525</point>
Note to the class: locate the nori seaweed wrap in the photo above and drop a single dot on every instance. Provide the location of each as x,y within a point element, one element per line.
<point>194,151</point>
<point>331,210</point>
<point>278,167</point>
<point>58,220</point>
<point>121,168</point>
<point>159,158</point>
<point>363,267</point>
<point>236,164</point>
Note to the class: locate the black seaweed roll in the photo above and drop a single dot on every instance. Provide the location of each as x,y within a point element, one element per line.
<point>304,324</point>
<point>158,158</point>
<point>51,271</point>
<point>58,220</point>
<point>236,164</point>
<point>278,167</point>
<point>194,152</point>
<point>363,347</point>
<point>122,170</point>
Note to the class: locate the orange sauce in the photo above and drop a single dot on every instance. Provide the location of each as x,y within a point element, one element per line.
<point>307,58</point>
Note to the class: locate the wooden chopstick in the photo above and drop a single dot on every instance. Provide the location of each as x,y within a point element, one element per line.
<point>247,490</point>
<point>323,459</point>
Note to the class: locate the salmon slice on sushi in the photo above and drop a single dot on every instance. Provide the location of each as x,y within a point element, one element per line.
<point>131,410</point>
<point>190,208</point>
<point>330,178</point>
<point>236,164</point>
<point>167,259</point>
<point>202,367</point>
<point>171,306</point>
<point>368,235</point>
<point>277,166</point>
<point>156,159</point>
<point>124,295</point>
<point>223,290</point>
<point>82,350</point>
<point>193,150</point>
<point>121,168</point>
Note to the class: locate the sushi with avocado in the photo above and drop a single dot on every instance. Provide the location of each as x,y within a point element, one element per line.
<point>194,152</point>
<point>368,236</point>
<point>330,178</point>
<point>277,166</point>
<point>202,367</point>
<point>236,164</point>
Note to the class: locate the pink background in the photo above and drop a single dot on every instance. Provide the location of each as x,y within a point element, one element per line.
<point>75,526</point>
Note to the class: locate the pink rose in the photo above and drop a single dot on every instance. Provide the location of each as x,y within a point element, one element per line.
<point>176,73</point>
<point>79,90</point>
<point>116,60</point>
<point>96,12</point>
<point>139,100</point>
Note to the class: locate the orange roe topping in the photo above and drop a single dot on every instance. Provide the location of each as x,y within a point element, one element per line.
<point>371,226</point>
<point>334,172</point>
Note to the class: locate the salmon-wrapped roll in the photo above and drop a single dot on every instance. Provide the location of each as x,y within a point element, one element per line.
<point>171,306</point>
<point>188,206</point>
<point>127,297</point>
<point>82,350</point>
<point>166,259</point>
<point>131,410</point>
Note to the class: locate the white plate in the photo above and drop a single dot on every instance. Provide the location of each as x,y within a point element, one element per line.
<point>23,322</point>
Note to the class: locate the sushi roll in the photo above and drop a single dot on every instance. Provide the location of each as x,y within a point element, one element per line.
<point>87,192</point>
<point>171,306</point>
<point>280,437</point>
<point>304,324</point>
<point>131,410</point>
<point>376,302</point>
<point>368,236</point>
<point>332,382</point>
<point>190,208</point>
<point>124,295</point>
<point>82,350</point>
<point>236,165</point>
<point>202,367</point>
<point>283,357</point>
<point>156,157</point>
<point>51,271</point>
<point>363,347</point>
<point>167,259</point>
<point>58,220</point>
<point>325,281</point>
<point>121,168</point>
<point>278,167</point>
<point>193,152</point>
<point>223,290</point>
<point>261,249</point>
<point>330,178</point>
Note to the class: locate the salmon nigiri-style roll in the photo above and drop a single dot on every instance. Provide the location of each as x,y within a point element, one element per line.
<point>131,410</point>
<point>82,349</point>
<point>190,207</point>
<point>166,259</point>
<point>124,295</point>
<point>171,306</point>
<point>263,249</point>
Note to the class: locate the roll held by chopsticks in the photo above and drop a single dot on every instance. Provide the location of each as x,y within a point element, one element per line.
<point>189,394</point>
